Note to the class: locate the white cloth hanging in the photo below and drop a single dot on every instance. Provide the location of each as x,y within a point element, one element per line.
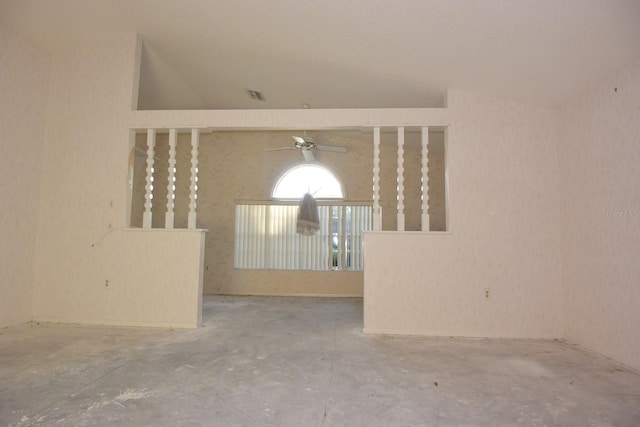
<point>308,222</point>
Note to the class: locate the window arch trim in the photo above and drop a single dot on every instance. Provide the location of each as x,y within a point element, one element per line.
<point>290,185</point>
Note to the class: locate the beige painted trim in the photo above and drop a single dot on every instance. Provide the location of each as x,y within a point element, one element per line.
<point>117,323</point>
<point>591,352</point>
<point>422,233</point>
<point>259,294</point>
<point>333,118</point>
<point>434,334</point>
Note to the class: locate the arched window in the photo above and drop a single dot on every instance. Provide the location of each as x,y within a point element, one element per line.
<point>266,235</point>
<point>308,178</point>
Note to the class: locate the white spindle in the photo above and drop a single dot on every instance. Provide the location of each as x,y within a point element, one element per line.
<point>193,197</point>
<point>425,179</point>
<point>171,184</point>
<point>329,241</point>
<point>377,214</point>
<point>400,226</point>
<point>342,232</point>
<point>148,196</point>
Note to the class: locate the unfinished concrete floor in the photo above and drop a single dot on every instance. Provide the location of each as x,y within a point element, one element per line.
<point>300,362</point>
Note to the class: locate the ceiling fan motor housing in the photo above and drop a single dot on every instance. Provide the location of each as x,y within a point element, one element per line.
<point>303,142</point>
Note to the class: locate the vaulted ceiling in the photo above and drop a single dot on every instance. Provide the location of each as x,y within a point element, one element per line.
<point>206,54</point>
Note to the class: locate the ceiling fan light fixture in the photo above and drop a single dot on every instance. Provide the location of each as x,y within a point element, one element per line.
<point>303,142</point>
<point>307,146</point>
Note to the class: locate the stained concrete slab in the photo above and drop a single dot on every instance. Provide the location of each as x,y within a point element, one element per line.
<point>300,362</point>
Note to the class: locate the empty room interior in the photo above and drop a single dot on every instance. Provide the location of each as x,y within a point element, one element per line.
<point>319,213</point>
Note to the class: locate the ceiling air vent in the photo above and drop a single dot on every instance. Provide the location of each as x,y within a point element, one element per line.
<point>254,94</point>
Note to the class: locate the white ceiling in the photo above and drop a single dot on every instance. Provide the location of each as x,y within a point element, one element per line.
<point>205,54</point>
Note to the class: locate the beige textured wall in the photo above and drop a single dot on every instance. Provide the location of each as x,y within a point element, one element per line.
<point>235,166</point>
<point>83,195</point>
<point>88,269</point>
<point>83,184</point>
<point>504,235</point>
<point>144,278</point>
<point>24,73</point>
<point>600,154</point>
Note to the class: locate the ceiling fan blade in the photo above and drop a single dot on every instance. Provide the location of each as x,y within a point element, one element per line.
<point>308,155</point>
<point>334,148</point>
<point>279,148</point>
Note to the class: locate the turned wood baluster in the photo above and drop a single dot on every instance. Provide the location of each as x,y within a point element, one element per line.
<point>377,213</point>
<point>425,179</point>
<point>193,197</point>
<point>400,187</point>
<point>148,196</point>
<point>171,184</point>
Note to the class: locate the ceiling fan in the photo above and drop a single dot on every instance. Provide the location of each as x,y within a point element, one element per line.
<point>307,146</point>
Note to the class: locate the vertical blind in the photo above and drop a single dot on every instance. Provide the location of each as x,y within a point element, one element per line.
<point>266,238</point>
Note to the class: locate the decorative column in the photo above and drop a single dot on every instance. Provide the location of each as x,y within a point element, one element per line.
<point>400,226</point>
<point>193,197</point>
<point>171,184</point>
<point>425,179</point>
<point>148,196</point>
<point>377,213</point>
